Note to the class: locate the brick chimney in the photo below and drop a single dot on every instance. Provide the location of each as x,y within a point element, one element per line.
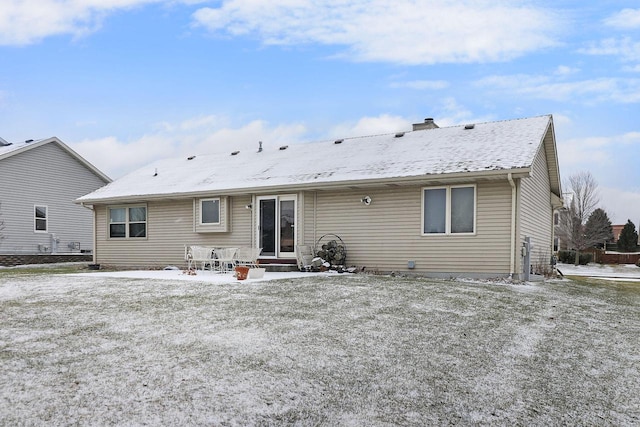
<point>428,124</point>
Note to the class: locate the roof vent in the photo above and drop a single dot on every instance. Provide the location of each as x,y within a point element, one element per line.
<point>191,157</point>
<point>259,146</point>
<point>235,153</point>
<point>284,147</point>
<point>4,143</point>
<point>29,140</point>
<point>399,134</point>
<point>428,124</point>
<point>338,141</point>
<point>469,126</point>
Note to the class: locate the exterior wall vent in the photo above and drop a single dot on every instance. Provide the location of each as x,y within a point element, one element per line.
<point>469,126</point>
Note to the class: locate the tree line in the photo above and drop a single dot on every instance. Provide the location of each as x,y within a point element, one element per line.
<point>583,225</point>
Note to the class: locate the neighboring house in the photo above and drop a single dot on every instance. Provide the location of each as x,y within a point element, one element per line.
<point>40,181</point>
<point>617,229</point>
<point>452,201</point>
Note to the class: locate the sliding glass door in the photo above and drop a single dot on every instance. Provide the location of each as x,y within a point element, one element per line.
<point>276,223</point>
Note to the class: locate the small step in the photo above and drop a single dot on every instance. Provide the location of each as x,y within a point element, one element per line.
<point>279,267</point>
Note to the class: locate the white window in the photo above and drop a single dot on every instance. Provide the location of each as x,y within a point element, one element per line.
<point>211,215</point>
<point>128,222</point>
<point>449,210</point>
<point>41,219</point>
<point>209,211</point>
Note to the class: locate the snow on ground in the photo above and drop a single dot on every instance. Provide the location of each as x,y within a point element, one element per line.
<point>615,272</point>
<point>335,349</point>
<point>200,276</point>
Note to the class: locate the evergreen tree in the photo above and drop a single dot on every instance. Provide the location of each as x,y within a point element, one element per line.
<point>598,228</point>
<point>628,240</point>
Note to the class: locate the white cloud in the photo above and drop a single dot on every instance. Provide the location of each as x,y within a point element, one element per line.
<point>381,124</point>
<point>198,135</point>
<point>564,70</point>
<point>626,48</point>
<point>621,205</point>
<point>421,85</point>
<point>625,19</point>
<point>591,91</point>
<point>24,22</point>
<point>401,31</point>
<point>607,157</point>
<point>595,150</point>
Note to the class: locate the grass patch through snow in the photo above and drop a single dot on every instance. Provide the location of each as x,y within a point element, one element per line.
<point>354,350</point>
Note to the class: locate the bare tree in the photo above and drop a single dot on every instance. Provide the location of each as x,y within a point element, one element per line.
<point>583,201</point>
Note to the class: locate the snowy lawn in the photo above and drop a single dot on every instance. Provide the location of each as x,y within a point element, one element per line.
<point>317,350</point>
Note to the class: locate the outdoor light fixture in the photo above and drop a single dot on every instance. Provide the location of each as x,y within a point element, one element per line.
<point>366,200</point>
<point>248,206</point>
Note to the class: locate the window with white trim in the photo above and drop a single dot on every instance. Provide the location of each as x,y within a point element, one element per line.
<point>128,222</point>
<point>40,218</point>
<point>449,210</point>
<point>209,211</point>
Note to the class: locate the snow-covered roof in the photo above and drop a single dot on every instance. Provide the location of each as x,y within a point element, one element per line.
<point>481,149</point>
<point>11,149</point>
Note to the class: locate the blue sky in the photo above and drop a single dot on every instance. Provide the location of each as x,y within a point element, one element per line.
<point>125,82</point>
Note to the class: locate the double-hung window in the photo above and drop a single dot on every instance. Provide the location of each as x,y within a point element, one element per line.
<point>128,222</point>
<point>449,210</point>
<point>209,211</point>
<point>41,218</point>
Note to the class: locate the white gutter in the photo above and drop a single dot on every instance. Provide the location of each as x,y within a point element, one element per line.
<point>512,256</point>
<point>93,231</point>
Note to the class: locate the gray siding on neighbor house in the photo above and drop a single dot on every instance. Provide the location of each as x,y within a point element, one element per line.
<point>45,175</point>
<point>536,211</point>
<point>170,226</point>
<point>387,234</point>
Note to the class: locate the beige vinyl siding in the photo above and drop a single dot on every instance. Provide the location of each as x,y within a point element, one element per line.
<point>170,226</point>
<point>45,175</point>
<point>536,212</point>
<point>387,234</point>
<point>307,235</point>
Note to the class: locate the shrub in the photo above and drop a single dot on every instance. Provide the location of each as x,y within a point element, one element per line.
<point>569,257</point>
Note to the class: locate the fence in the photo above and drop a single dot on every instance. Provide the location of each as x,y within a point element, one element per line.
<point>603,257</point>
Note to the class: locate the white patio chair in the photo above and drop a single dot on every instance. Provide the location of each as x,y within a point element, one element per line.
<point>304,255</point>
<point>200,255</point>
<point>247,256</point>
<point>223,259</point>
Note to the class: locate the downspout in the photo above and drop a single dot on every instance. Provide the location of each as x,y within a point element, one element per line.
<point>93,231</point>
<point>512,257</point>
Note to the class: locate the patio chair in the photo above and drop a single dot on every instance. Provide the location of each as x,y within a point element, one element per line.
<point>247,257</point>
<point>223,259</point>
<point>199,256</point>
<point>304,255</point>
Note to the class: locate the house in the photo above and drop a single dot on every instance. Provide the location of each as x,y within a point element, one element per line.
<point>40,182</point>
<point>450,201</point>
